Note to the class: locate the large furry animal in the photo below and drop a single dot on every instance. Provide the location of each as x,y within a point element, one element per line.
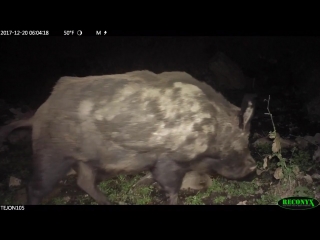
<point>167,123</point>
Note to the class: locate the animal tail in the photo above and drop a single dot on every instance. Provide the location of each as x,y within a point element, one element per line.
<point>7,129</point>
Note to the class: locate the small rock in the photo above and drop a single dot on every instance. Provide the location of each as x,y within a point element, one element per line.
<point>278,174</point>
<point>123,203</point>
<point>316,176</point>
<point>66,199</point>
<point>285,143</point>
<point>304,141</point>
<point>308,178</point>
<point>14,182</point>
<point>242,203</point>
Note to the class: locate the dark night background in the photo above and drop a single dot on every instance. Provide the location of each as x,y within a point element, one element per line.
<point>286,68</point>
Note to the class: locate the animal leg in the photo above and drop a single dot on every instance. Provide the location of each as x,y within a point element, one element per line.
<point>170,176</point>
<point>86,181</point>
<point>48,171</point>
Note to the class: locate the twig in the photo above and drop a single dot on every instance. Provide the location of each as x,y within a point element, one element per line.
<point>269,113</point>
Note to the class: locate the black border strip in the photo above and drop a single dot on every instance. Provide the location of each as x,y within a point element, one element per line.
<point>105,32</point>
<point>155,208</point>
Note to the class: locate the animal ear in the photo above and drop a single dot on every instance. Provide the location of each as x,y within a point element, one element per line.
<point>247,110</point>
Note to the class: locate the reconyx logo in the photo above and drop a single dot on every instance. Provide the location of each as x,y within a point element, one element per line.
<point>298,203</point>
